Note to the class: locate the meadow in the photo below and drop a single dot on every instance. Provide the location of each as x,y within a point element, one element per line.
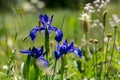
<point>99,46</point>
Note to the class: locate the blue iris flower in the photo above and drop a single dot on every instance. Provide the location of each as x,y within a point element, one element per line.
<point>36,53</point>
<point>46,23</point>
<point>66,48</point>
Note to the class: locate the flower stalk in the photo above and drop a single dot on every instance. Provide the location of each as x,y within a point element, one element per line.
<point>115,31</point>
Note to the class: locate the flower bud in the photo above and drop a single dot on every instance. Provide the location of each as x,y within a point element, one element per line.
<point>109,35</point>
<point>104,18</point>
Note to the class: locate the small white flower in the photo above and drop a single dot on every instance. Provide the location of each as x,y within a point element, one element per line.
<point>114,20</point>
<point>88,7</point>
<point>85,16</point>
<point>5,67</point>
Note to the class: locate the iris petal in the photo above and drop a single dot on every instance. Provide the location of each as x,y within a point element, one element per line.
<point>52,28</point>
<point>26,52</point>
<point>59,35</point>
<point>71,47</point>
<point>33,33</point>
<point>57,55</point>
<point>78,52</point>
<point>50,20</point>
<point>43,19</point>
<point>40,50</point>
<point>42,59</point>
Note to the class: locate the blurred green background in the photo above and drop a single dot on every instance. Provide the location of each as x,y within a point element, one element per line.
<point>18,17</point>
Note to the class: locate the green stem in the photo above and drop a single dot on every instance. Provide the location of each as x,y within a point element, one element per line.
<point>103,40</point>
<point>106,54</point>
<point>46,42</point>
<point>54,69</point>
<point>63,62</point>
<point>36,72</point>
<point>62,67</point>
<point>112,56</point>
<point>96,61</point>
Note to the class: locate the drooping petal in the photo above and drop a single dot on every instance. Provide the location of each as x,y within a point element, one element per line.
<point>71,47</point>
<point>78,52</point>
<point>26,52</point>
<point>34,31</point>
<point>57,54</point>
<point>42,59</point>
<point>59,35</point>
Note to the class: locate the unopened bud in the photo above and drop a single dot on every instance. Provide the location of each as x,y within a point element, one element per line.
<point>86,26</point>
<point>104,18</point>
<point>115,26</point>
<point>109,35</point>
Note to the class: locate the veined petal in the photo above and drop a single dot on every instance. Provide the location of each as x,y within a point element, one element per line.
<point>52,28</point>
<point>59,35</point>
<point>78,52</point>
<point>43,19</point>
<point>71,47</point>
<point>26,52</point>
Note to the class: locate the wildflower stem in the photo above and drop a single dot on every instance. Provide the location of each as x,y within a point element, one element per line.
<point>112,56</point>
<point>54,69</point>
<point>86,36</point>
<point>62,67</point>
<point>96,62</point>
<point>93,62</point>
<point>63,62</point>
<point>106,55</point>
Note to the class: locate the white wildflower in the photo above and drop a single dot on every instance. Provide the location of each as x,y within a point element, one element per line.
<point>85,16</point>
<point>88,7</point>
<point>5,67</point>
<point>114,20</point>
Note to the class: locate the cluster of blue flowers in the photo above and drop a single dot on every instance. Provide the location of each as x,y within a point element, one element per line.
<point>61,49</point>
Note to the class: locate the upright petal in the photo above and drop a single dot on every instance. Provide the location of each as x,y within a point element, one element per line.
<point>59,35</point>
<point>43,19</point>
<point>50,20</point>
<point>65,43</point>
<point>78,52</point>
<point>71,47</point>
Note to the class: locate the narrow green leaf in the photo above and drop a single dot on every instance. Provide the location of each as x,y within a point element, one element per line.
<point>26,67</point>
